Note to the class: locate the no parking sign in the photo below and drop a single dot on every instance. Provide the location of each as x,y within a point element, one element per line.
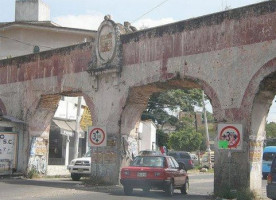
<point>230,136</point>
<point>97,137</point>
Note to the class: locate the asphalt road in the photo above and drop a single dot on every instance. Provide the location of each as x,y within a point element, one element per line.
<point>201,186</point>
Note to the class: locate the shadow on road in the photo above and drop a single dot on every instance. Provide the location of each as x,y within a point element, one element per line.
<point>113,190</point>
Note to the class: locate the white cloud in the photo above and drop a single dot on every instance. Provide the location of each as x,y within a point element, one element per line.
<point>92,21</point>
<point>87,21</point>
<point>147,23</point>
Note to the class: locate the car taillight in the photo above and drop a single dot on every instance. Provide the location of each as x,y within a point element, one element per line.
<point>190,162</point>
<point>269,179</point>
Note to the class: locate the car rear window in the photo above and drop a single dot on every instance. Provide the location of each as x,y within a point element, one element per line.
<point>268,156</point>
<point>148,161</point>
<point>185,155</point>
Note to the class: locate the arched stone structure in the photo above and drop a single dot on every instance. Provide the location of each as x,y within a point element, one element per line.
<point>223,53</point>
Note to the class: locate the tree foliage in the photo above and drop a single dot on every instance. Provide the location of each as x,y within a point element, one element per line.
<point>186,139</point>
<point>185,100</point>
<point>162,138</point>
<point>271,130</point>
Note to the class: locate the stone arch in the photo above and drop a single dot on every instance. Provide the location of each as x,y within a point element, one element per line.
<point>255,105</point>
<point>138,97</point>
<point>3,110</point>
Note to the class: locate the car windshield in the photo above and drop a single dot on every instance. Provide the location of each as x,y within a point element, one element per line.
<point>148,161</point>
<point>268,156</point>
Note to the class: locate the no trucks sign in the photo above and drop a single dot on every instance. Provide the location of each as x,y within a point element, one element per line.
<point>230,136</point>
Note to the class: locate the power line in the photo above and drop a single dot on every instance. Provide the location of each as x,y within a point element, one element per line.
<point>149,11</point>
<point>25,43</point>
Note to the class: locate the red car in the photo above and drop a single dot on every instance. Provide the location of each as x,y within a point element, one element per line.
<point>154,171</point>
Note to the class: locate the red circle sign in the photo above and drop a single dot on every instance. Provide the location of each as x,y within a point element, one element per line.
<point>230,134</point>
<point>97,136</point>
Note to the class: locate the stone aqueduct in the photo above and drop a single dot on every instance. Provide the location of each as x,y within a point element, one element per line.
<point>230,55</point>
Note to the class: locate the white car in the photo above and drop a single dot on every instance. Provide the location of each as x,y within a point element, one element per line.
<point>80,167</point>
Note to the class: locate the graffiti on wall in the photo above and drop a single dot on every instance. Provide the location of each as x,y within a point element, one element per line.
<point>8,154</point>
<point>38,155</point>
<point>130,147</point>
<point>256,148</point>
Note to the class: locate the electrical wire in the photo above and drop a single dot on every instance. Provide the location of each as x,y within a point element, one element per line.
<point>150,11</point>
<point>25,43</point>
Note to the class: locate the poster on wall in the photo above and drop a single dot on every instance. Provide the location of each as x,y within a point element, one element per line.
<point>8,152</point>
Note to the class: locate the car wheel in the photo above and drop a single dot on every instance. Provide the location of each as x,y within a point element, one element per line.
<point>75,177</point>
<point>128,190</point>
<point>170,189</point>
<point>185,188</point>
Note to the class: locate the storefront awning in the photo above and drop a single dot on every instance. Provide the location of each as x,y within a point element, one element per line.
<point>68,127</point>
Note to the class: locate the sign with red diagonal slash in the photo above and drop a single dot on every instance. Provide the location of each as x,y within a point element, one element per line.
<point>97,137</point>
<point>230,136</point>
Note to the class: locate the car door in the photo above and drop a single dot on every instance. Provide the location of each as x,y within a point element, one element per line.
<point>180,175</point>
<point>171,171</point>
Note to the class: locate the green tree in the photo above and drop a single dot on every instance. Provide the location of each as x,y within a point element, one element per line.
<point>271,130</point>
<point>270,134</point>
<point>186,139</point>
<point>162,138</point>
<point>185,100</point>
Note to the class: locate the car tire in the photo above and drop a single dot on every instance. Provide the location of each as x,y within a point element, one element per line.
<point>185,188</point>
<point>128,190</point>
<point>75,177</point>
<point>170,189</point>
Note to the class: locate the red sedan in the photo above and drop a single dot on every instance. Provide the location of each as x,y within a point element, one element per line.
<point>158,171</point>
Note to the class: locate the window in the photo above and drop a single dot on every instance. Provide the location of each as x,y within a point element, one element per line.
<point>148,161</point>
<point>175,163</point>
<point>268,156</point>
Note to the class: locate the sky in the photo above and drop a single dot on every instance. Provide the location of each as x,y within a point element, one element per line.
<point>88,14</point>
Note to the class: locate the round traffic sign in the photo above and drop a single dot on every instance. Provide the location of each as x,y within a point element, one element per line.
<point>97,136</point>
<point>230,134</point>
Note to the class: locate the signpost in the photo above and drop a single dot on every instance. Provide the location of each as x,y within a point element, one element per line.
<point>230,138</point>
<point>97,138</point>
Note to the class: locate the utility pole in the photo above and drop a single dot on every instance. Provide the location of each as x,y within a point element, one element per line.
<point>77,135</point>
<point>207,132</point>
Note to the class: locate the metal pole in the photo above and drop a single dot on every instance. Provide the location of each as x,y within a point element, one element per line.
<point>77,136</point>
<point>207,132</point>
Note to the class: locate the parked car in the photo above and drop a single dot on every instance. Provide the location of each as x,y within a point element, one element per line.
<point>183,158</point>
<point>268,155</point>
<point>205,159</point>
<point>271,181</point>
<point>194,159</point>
<point>80,167</point>
<point>154,172</point>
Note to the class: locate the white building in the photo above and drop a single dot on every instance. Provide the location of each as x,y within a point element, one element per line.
<point>147,136</point>
<point>33,31</point>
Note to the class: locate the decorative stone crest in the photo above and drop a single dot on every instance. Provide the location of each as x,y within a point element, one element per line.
<point>106,57</point>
